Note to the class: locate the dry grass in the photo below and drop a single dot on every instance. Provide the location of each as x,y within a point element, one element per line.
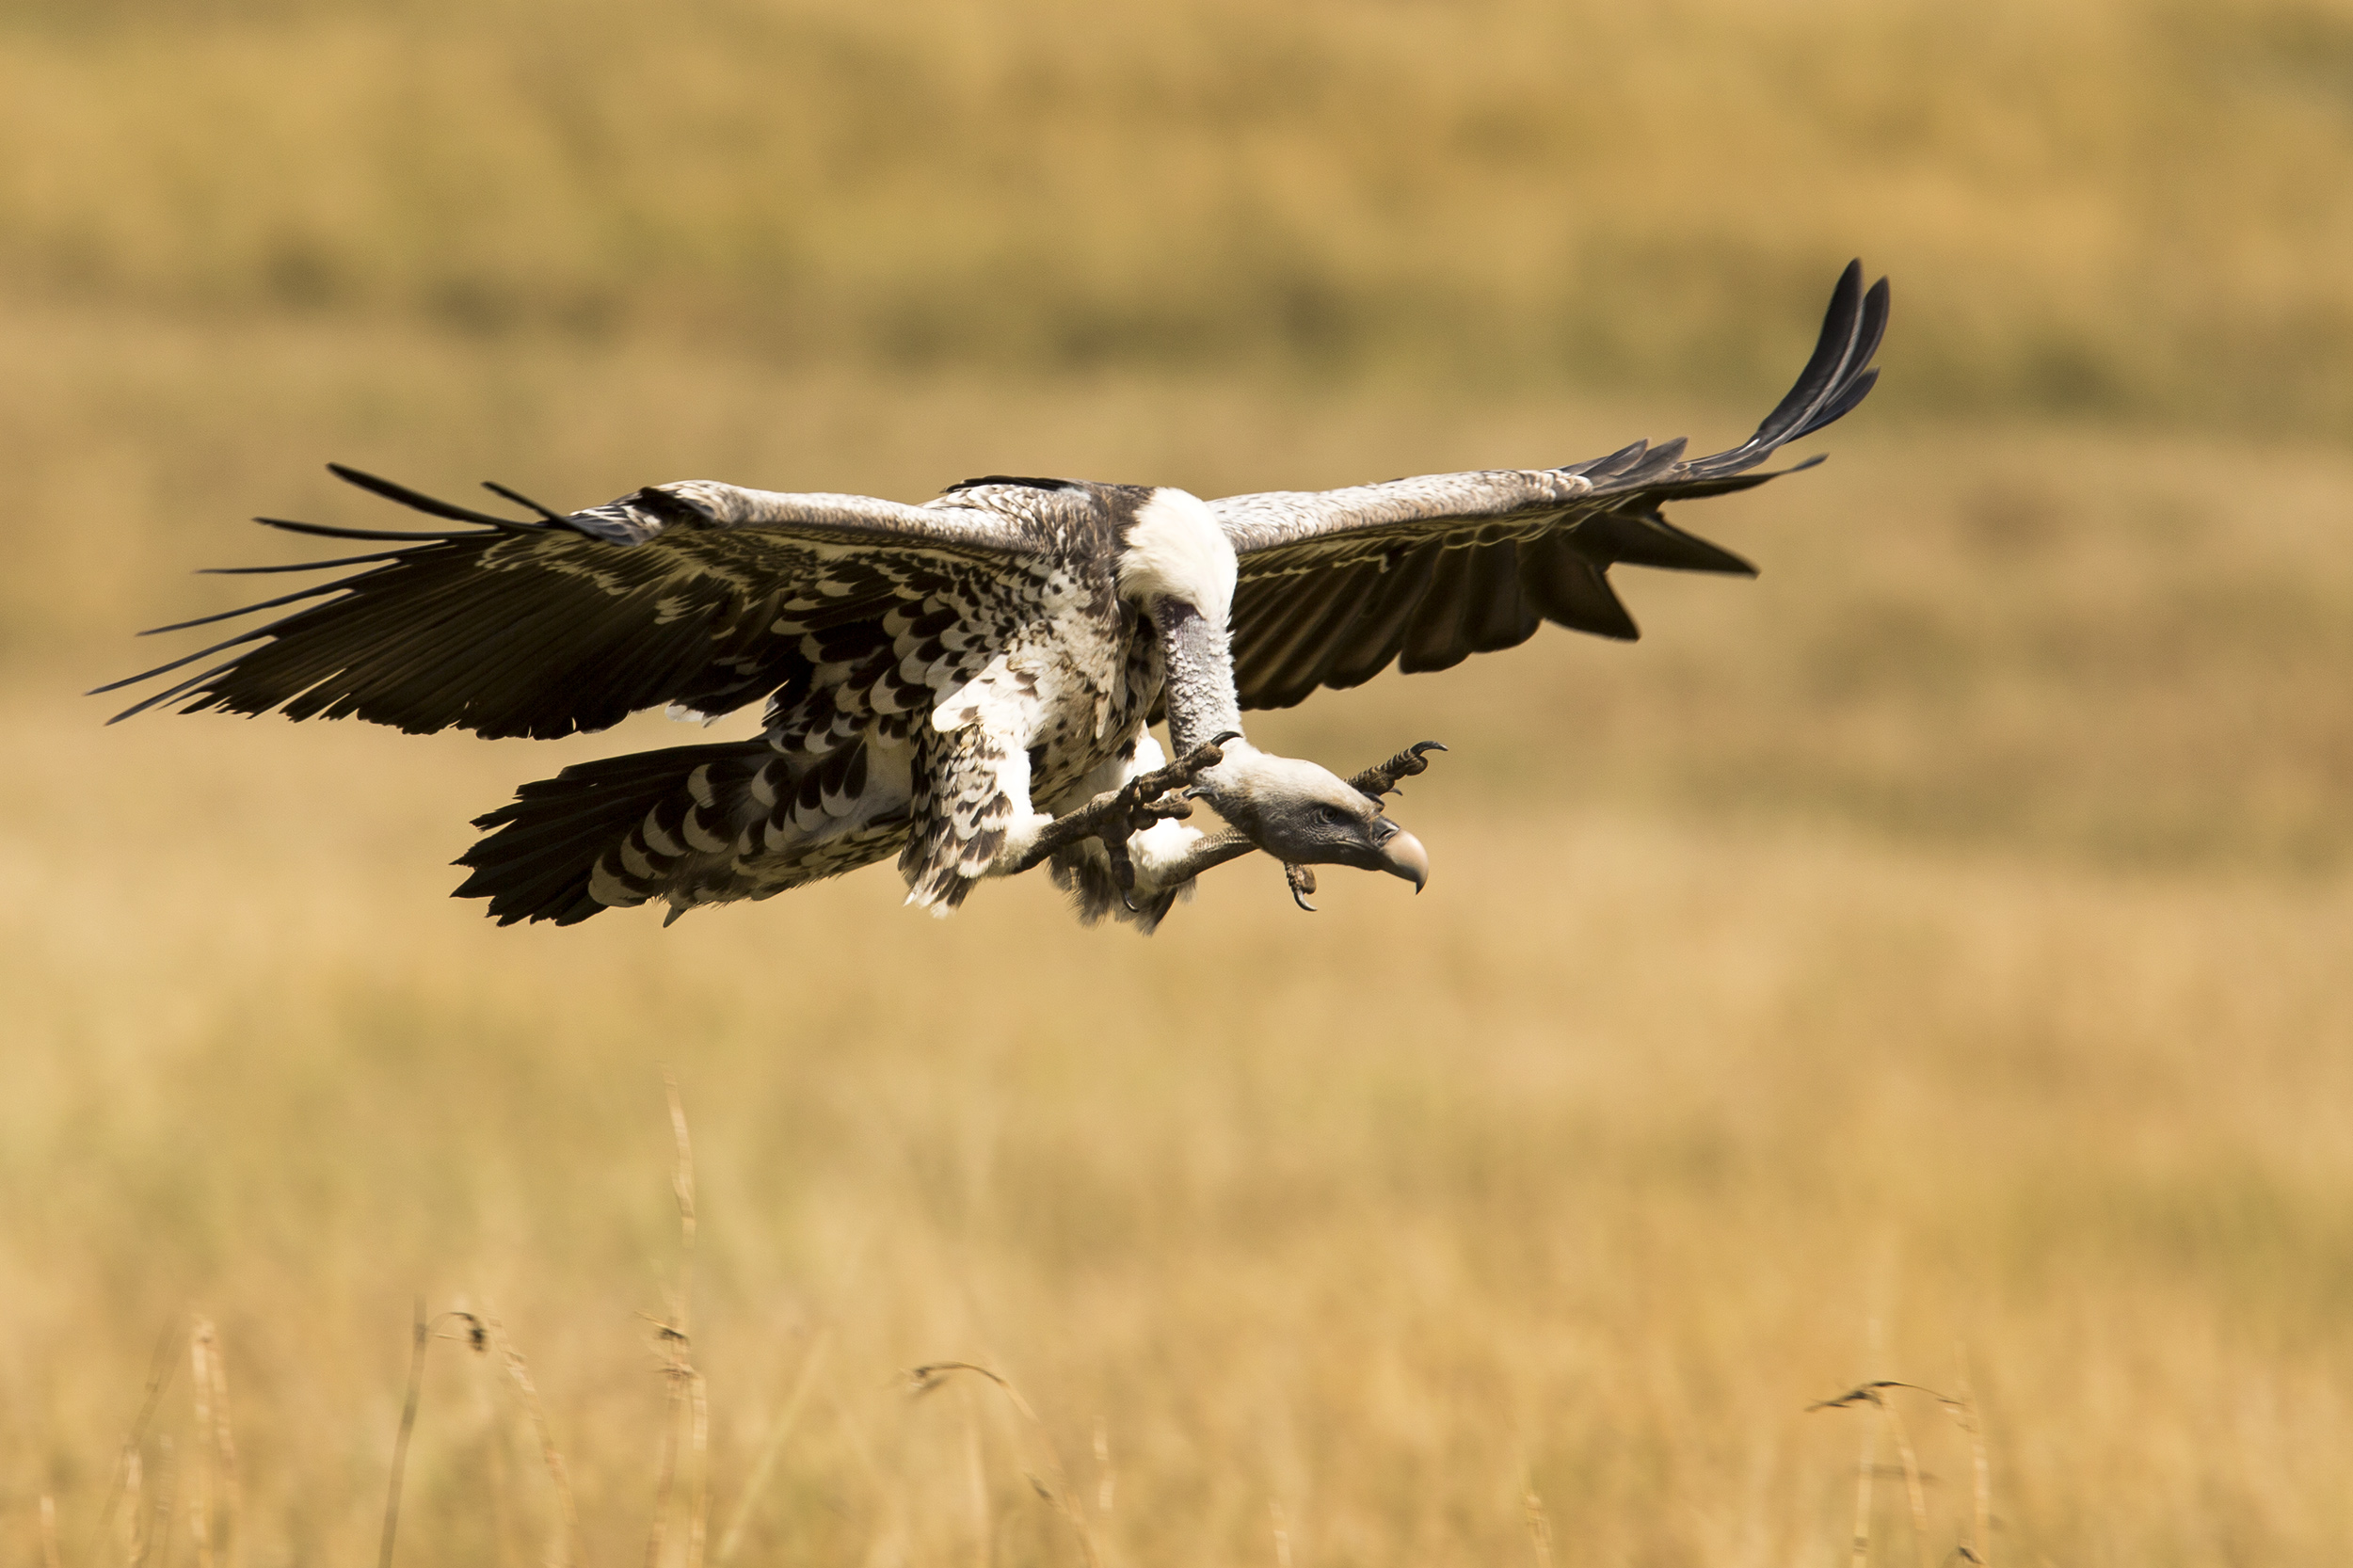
<point>2131,207</point>
<point>1926,965</point>
<point>1584,1171</point>
<point>1947,933</point>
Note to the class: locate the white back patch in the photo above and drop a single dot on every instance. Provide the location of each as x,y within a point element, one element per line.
<point>1175,550</point>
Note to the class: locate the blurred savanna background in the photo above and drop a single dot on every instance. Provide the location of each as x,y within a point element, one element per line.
<point>1931,962</point>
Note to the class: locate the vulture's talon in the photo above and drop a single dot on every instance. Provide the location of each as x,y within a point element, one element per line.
<point>1303,882</point>
<point>1135,805</point>
<point>1380,779</point>
<point>1182,773</point>
<point>1166,809</point>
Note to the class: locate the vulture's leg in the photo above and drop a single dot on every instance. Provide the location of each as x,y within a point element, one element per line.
<point>1213,850</point>
<point>1114,814</point>
<point>1380,779</point>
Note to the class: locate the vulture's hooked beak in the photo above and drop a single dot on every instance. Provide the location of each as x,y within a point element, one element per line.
<point>1402,855</point>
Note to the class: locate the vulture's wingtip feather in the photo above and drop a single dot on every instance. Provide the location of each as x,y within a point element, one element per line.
<point>1853,326</point>
<point>336,531</point>
<point>418,501</point>
<point>548,513</point>
<point>246,609</point>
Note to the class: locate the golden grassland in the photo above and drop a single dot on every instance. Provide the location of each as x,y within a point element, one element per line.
<point>2123,206</point>
<point>1928,963</point>
<point>1583,1173</point>
<point>1937,949</point>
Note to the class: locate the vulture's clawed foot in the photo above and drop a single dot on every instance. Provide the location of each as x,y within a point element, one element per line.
<point>1115,815</point>
<point>1303,882</point>
<point>1148,787</point>
<point>1382,779</point>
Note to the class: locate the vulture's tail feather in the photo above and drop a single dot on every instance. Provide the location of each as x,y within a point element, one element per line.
<point>539,856</point>
<point>691,824</point>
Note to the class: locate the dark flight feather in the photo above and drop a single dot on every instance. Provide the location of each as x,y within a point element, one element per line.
<point>1498,554</point>
<point>546,628</point>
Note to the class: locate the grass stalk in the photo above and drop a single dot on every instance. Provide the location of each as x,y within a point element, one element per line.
<point>1964,1410</point>
<point>134,1518</point>
<point>1106,1473</point>
<point>1866,1464</point>
<point>1539,1528</point>
<point>495,1457</point>
<point>698,1504</point>
<point>682,1184</point>
<point>772,1448</point>
<point>1914,1492</point>
<point>1054,1485</point>
<point>127,1463</point>
<point>225,1494</point>
<point>562,1551</point>
<point>687,1404</point>
<point>162,1537</point>
<point>976,1487</point>
<point>1965,1413</point>
<point>201,1376</point>
<point>420,1335</point>
<point>665,1470</point>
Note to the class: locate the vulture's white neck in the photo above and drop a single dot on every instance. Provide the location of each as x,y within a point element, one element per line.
<point>1176,563</point>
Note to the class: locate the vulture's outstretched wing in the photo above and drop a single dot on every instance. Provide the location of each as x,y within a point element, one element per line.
<point>1335,584</point>
<point>696,593</point>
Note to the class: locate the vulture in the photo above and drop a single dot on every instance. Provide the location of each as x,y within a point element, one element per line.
<point>967,684</point>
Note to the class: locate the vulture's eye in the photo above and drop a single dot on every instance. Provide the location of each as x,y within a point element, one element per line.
<point>1332,816</point>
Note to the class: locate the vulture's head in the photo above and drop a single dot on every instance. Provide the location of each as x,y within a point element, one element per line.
<point>1309,816</point>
